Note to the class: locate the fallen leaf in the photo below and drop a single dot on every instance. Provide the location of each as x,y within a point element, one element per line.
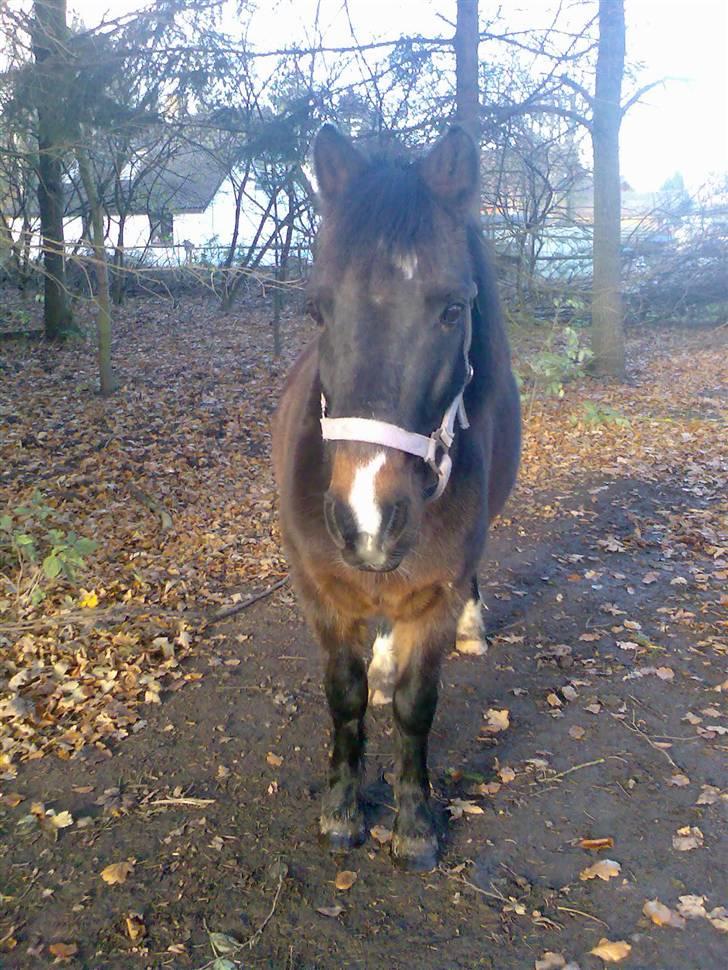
<point>553,700</point>
<point>506,774</point>
<point>611,951</point>
<point>597,844</point>
<point>117,872</point>
<point>709,795</point>
<point>719,918</point>
<point>576,732</point>
<point>273,759</point>
<point>550,961</point>
<point>63,951</point>
<point>678,780</point>
<point>135,928</point>
<point>13,799</point>
<point>665,673</point>
<point>691,906</point>
<point>686,838</point>
<point>489,788</point>
<point>222,943</point>
<point>381,834</point>
<point>459,805</point>
<point>605,869</point>
<point>345,879</point>
<point>89,599</point>
<point>332,911</point>
<point>650,577</point>
<point>59,820</point>
<point>497,720</point>
<point>662,915</point>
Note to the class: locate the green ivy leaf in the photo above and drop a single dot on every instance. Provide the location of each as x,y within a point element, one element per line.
<point>52,566</point>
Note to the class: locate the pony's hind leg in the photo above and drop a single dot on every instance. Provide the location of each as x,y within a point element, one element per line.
<point>342,821</point>
<point>470,636</point>
<point>414,842</point>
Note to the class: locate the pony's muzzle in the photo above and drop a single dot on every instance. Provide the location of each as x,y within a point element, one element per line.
<point>380,547</point>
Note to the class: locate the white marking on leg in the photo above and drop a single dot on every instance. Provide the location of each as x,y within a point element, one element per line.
<point>382,670</point>
<point>471,631</point>
<point>363,496</point>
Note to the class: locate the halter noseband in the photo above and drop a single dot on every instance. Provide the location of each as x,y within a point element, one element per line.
<point>434,449</point>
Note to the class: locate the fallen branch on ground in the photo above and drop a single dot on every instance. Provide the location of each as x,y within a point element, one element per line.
<point>227,611</point>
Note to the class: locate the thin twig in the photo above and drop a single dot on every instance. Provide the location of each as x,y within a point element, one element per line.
<point>579,912</point>
<point>239,607</point>
<point>635,730</point>
<point>471,885</point>
<point>188,802</point>
<point>250,943</point>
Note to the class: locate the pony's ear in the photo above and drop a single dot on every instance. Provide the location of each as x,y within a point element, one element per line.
<point>336,162</point>
<point>450,168</point>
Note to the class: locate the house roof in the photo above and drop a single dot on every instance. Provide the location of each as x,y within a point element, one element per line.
<point>186,182</point>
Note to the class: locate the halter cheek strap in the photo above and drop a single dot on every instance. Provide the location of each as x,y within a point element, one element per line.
<point>434,449</point>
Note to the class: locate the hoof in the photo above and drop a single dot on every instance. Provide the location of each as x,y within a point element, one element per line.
<point>341,834</point>
<point>476,648</point>
<point>415,853</point>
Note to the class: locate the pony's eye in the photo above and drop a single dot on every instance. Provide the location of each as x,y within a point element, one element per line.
<point>452,314</point>
<point>314,311</point>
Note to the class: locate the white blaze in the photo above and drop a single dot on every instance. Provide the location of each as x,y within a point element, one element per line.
<point>407,264</point>
<point>363,496</point>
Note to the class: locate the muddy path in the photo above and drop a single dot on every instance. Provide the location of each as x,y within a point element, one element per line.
<point>608,655</point>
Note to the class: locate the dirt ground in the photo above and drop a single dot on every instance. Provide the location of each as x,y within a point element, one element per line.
<point>605,589</point>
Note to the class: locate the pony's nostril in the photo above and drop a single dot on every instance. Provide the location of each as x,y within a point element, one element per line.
<point>397,519</point>
<point>340,522</point>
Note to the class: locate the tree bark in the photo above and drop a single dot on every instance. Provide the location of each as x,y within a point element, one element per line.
<point>49,34</point>
<point>102,298</point>
<point>607,315</point>
<point>467,87</point>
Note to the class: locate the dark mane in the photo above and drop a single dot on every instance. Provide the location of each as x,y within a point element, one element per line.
<point>389,204</point>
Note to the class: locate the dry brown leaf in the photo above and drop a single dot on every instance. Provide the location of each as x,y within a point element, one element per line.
<point>135,927</point>
<point>497,720</point>
<point>576,732</point>
<point>678,780</point>
<point>611,951</point>
<point>665,673</point>
<point>273,759</point>
<point>345,879</point>
<point>691,906</point>
<point>550,961</point>
<point>605,869</point>
<point>718,918</point>
<point>709,795</point>
<point>686,838</point>
<point>597,844</point>
<point>381,834</point>
<point>13,799</point>
<point>662,915</point>
<point>118,872</point>
<point>331,911</point>
<point>63,951</point>
<point>458,806</point>
<point>506,774</point>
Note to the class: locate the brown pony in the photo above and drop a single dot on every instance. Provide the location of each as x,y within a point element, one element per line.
<point>395,445</point>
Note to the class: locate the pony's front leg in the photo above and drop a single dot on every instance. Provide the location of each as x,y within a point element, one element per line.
<point>342,821</point>
<point>414,843</point>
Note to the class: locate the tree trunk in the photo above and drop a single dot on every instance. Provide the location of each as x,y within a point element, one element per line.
<point>467,90</point>
<point>49,33</point>
<point>118,285</point>
<point>102,298</point>
<point>607,318</point>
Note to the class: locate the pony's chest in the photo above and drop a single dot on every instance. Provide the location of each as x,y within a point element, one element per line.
<point>395,599</point>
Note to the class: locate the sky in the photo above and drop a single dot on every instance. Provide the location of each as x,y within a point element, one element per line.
<point>680,126</point>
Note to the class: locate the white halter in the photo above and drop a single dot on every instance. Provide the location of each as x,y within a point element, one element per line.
<point>433,450</point>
